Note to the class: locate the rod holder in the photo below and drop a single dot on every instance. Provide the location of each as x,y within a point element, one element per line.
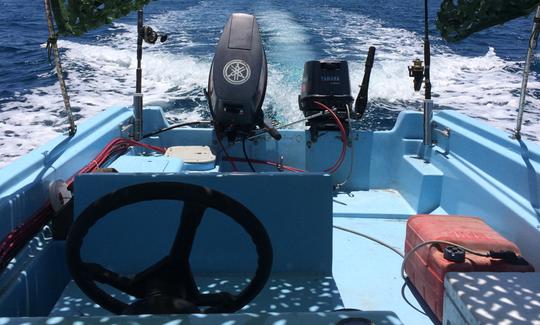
<point>138,96</point>
<point>138,116</point>
<point>428,117</point>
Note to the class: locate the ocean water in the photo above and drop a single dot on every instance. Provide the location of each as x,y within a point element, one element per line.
<point>480,76</point>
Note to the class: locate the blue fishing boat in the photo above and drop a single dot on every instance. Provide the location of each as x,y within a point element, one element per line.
<point>129,218</point>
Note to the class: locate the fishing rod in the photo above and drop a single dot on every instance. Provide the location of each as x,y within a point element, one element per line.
<point>421,73</point>
<point>428,102</point>
<point>427,53</point>
<point>138,96</point>
<point>148,35</point>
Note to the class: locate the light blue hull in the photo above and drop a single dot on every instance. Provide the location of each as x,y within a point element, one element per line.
<point>474,170</point>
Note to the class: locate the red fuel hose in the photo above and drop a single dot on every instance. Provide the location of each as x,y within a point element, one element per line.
<point>270,163</point>
<point>341,158</point>
<point>331,169</point>
<point>19,236</point>
<point>226,153</point>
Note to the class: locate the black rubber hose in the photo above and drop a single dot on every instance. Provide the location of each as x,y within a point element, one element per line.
<point>246,155</point>
<point>174,127</point>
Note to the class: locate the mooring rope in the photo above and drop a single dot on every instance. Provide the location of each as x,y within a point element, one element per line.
<point>53,46</point>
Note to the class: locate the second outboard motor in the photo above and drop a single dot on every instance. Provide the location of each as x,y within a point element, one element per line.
<point>237,82</point>
<point>326,82</point>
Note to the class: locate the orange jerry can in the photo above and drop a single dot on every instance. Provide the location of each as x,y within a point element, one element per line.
<point>427,267</point>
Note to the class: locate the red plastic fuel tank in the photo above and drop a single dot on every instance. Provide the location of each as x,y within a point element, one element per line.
<point>427,267</point>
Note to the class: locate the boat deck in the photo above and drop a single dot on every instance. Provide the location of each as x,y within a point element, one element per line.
<point>367,274</point>
<point>381,203</point>
<point>284,294</point>
<point>359,281</point>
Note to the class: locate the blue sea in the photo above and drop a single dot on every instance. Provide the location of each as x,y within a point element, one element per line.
<point>480,76</point>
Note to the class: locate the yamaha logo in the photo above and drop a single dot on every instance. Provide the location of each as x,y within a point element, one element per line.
<point>236,72</point>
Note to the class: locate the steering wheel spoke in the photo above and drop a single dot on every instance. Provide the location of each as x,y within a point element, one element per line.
<point>105,276</point>
<point>191,218</point>
<point>218,302</point>
<point>165,277</point>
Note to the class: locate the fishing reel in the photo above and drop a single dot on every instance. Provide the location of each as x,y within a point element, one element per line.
<point>416,71</point>
<point>150,36</point>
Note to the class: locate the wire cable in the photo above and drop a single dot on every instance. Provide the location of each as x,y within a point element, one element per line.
<point>226,153</point>
<point>246,155</point>
<point>429,242</point>
<point>281,126</point>
<point>350,140</point>
<point>174,126</point>
<point>338,163</point>
<point>407,256</point>
<point>20,235</point>
<point>327,111</point>
<point>395,250</point>
<point>270,163</point>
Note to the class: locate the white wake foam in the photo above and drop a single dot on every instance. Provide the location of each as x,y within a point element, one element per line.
<point>103,74</point>
<point>98,77</point>
<point>287,48</point>
<point>484,87</point>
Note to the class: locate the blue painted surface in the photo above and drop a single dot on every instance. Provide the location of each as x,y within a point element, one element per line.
<point>420,183</point>
<point>284,293</point>
<point>32,282</point>
<point>136,236</point>
<point>319,318</point>
<point>24,185</point>
<point>487,174</point>
<point>378,203</point>
<point>368,274</point>
<point>388,147</point>
<point>475,171</point>
<point>147,164</point>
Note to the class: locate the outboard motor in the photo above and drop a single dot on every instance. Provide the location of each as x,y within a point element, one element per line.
<point>326,82</point>
<point>237,82</point>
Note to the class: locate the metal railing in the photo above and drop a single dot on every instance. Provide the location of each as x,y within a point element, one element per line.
<point>526,70</point>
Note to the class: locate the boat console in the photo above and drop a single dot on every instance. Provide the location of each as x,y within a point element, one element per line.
<point>199,230</point>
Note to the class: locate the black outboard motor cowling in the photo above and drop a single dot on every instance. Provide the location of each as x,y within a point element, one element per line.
<point>237,82</point>
<point>326,82</point>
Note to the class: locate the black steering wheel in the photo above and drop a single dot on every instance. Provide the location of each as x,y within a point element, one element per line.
<point>167,287</point>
